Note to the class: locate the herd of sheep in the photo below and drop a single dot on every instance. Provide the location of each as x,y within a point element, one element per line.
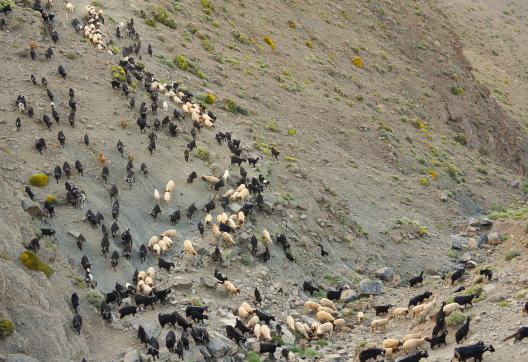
<point>178,109</point>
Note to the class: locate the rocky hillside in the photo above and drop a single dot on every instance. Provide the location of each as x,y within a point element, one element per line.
<point>395,126</point>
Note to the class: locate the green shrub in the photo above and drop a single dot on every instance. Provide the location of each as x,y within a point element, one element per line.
<point>422,231</point>
<point>504,304</point>
<point>38,180</point>
<point>455,319</point>
<point>309,44</point>
<point>31,261</point>
<point>119,73</point>
<point>202,154</point>
<point>185,64</point>
<point>278,340</point>
<point>232,107</point>
<point>332,279</point>
<point>150,22</point>
<point>207,6</point>
<point>252,357</point>
<point>322,342</point>
<point>162,16</point>
<point>292,24</point>
<point>95,297</point>
<point>290,159</point>
<point>455,173</point>
<point>270,42</point>
<point>6,328</point>
<point>310,352</point>
<point>512,254</point>
<point>292,132</point>
<point>461,138</point>
<point>457,90</point>
<point>209,98</point>
<point>272,126</point>
<point>181,62</point>
<point>424,181</point>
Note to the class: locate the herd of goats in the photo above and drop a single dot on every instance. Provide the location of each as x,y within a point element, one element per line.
<point>248,191</point>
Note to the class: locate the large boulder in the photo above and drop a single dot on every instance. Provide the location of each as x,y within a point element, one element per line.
<point>150,325</point>
<point>181,283</point>
<point>348,296</point>
<point>385,274</point>
<point>219,345</point>
<point>370,287</point>
<point>132,356</point>
<point>458,242</point>
<point>18,357</point>
<point>32,208</point>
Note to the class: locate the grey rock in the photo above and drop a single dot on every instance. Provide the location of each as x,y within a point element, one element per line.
<point>219,345</point>
<point>75,234</point>
<point>482,240</point>
<point>350,297</point>
<point>458,242</point>
<point>208,281</point>
<point>181,283</point>
<point>151,326</point>
<point>234,208</point>
<point>335,358</point>
<point>370,287</point>
<point>385,274</point>
<point>132,356</point>
<point>32,208</point>
<point>288,336</point>
<point>19,357</point>
<point>493,237</point>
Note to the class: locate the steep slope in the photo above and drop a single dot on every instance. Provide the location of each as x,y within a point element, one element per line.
<point>387,142</point>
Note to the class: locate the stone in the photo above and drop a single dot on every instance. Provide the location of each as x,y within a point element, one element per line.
<point>385,274</point>
<point>181,283</point>
<point>219,345</point>
<point>472,243</point>
<point>370,287</point>
<point>288,336</point>
<point>444,196</point>
<point>151,326</point>
<point>32,208</point>
<point>458,242</point>
<point>208,281</point>
<point>132,356</point>
<point>75,234</point>
<point>234,208</point>
<point>335,358</point>
<point>482,240</point>
<point>494,238</point>
<point>19,357</point>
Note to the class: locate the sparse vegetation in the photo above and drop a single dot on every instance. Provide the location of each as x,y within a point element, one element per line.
<point>292,25</point>
<point>118,73</point>
<point>504,304</point>
<point>230,106</point>
<point>292,132</point>
<point>207,6</point>
<point>162,16</point>
<point>455,319</point>
<point>185,64</point>
<point>151,22</point>
<point>95,297</point>
<point>253,357</point>
<point>38,180</point>
<point>424,181</point>
<point>461,138</point>
<point>457,90</point>
<point>512,254</point>
<point>7,328</point>
<point>357,61</point>
<point>270,42</point>
<point>202,154</point>
<point>31,261</point>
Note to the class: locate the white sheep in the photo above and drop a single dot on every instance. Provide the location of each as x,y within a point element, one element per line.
<point>379,323</point>
<point>170,186</point>
<point>451,307</point>
<point>265,332</point>
<point>256,332</point>
<point>147,289</point>
<point>291,323</point>
<point>165,106</point>
<point>325,328</point>
<point>266,239</point>
<point>241,218</point>
<point>153,241</point>
<point>226,175</point>
<point>412,344</point>
<point>360,317</point>
<point>157,196</point>
<point>410,336</point>
<point>243,312</point>
<point>253,321</point>
<point>324,317</point>
<point>327,303</point>
<point>142,275</point>
<point>208,219</point>
<point>167,197</point>
<point>401,311</point>
<point>151,272</point>
<point>149,281</point>
<point>311,306</point>
<point>216,231</point>
<point>210,179</point>
<point>157,249</point>
<point>339,323</point>
<point>164,245</point>
<point>168,240</point>
<point>299,327</point>
<point>70,8</point>
<point>228,238</point>
<point>188,248</point>
<point>171,233</point>
<point>391,343</point>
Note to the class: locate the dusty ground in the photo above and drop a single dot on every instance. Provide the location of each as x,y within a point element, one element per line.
<point>349,178</point>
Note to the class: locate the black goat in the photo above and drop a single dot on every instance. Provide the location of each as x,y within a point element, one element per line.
<point>456,275</point>
<point>487,272</point>
<point>464,299</point>
<point>145,301</point>
<point>77,323</point>
<point>308,287</point>
<point>75,302</point>
<point>437,340</point>
<point>142,335</point>
<point>175,217</point>
<point>521,334</point>
<point>335,294</point>
<point>164,319</point>
<point>258,297</point>
<point>419,298</point>
<point>161,295</point>
<point>220,277</point>
<point>191,177</point>
<point>416,280</point>
<point>474,351</point>
<point>170,341</point>
<point>371,353</point>
<point>155,211</point>
<point>415,357</point>
<point>190,211</point>
<point>462,332</point>
<point>382,309</point>
<point>234,335</point>
<point>129,309</point>
<point>263,317</point>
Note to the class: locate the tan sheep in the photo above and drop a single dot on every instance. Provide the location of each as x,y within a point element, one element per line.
<point>253,321</point>
<point>266,239</point>
<point>216,231</point>
<point>327,303</point>
<point>152,241</point>
<point>247,307</point>
<point>171,233</point>
<point>167,240</point>
<point>451,307</point>
<point>398,312</point>
<point>157,249</point>
<point>188,248</point>
<point>429,308</point>
<point>389,352</point>
<point>327,310</point>
<point>256,332</point>
<point>299,327</point>
<point>164,245</point>
<point>416,310</point>
<point>157,196</point>
<point>140,285</point>
<point>229,193</point>
<point>379,323</point>
<point>208,219</point>
<point>291,323</point>
<point>325,328</point>
<point>142,275</point>
<point>149,281</point>
<point>170,186</point>
<point>323,316</point>
<point>265,332</point>
<point>311,306</point>
<point>151,272</point>
<point>231,288</point>
<point>210,179</point>
<point>241,218</point>
<point>228,238</point>
<point>243,313</point>
<point>167,197</point>
<point>412,344</point>
<point>410,336</point>
<point>243,195</point>
<point>360,317</point>
<point>231,223</point>
<point>339,323</point>
<point>391,343</point>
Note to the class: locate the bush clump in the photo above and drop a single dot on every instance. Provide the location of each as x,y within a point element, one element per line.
<point>209,98</point>
<point>181,62</point>
<point>512,254</point>
<point>185,64</point>
<point>461,138</point>
<point>252,357</point>
<point>50,199</point>
<point>292,132</point>
<point>118,73</point>
<point>292,24</point>
<point>6,328</point>
<point>39,180</point>
<point>95,297</point>
<point>457,90</point>
<point>31,261</point>
<point>424,181</point>
<point>162,16</point>
<point>151,22</point>
<point>357,61</point>
<point>270,42</point>
<point>202,154</point>
<point>232,107</point>
<point>457,318</point>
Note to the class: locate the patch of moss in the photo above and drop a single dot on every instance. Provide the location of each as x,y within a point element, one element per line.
<point>31,261</point>
<point>504,304</point>
<point>39,180</point>
<point>209,98</point>
<point>7,328</point>
<point>253,357</point>
<point>278,340</point>
<point>292,25</point>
